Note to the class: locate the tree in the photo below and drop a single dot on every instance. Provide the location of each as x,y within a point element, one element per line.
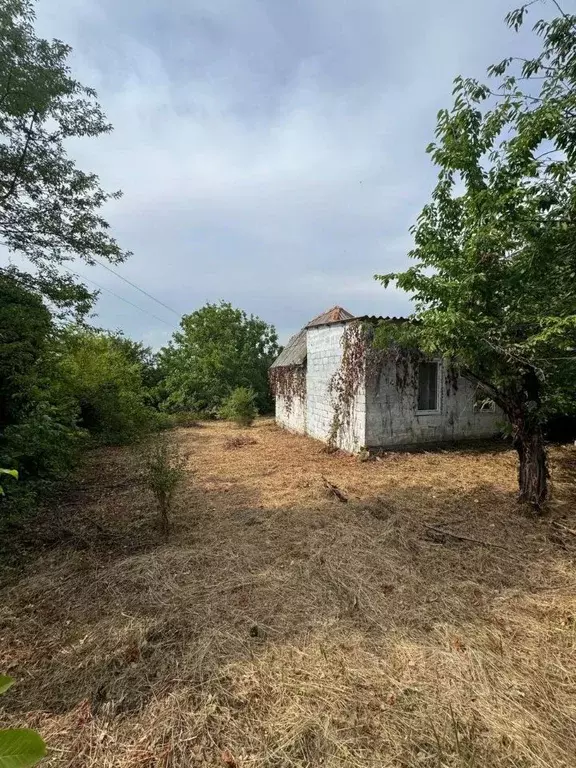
<point>218,349</point>
<point>102,376</point>
<point>25,330</point>
<point>495,248</point>
<point>49,209</point>
<point>38,432</point>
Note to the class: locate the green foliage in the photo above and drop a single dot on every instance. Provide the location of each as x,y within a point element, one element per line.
<point>240,407</point>
<point>44,444</point>
<point>19,747</point>
<point>49,209</point>
<point>495,248</point>
<point>38,432</point>
<point>218,349</point>
<point>11,473</point>
<point>96,372</point>
<point>26,328</point>
<point>164,473</point>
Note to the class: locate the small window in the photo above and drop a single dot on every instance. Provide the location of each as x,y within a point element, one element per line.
<point>428,387</point>
<point>482,403</point>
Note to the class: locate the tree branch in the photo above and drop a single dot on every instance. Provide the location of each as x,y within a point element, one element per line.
<point>495,393</point>
<point>563,12</point>
<point>21,160</point>
<point>5,95</point>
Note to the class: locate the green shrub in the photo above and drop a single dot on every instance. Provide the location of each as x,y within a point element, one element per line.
<point>240,407</point>
<point>164,472</point>
<point>44,447</point>
<point>106,382</point>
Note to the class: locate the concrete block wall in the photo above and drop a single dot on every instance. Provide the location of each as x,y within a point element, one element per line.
<point>324,357</point>
<point>393,418</point>
<point>291,415</point>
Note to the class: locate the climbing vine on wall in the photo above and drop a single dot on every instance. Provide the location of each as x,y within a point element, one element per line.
<point>347,380</point>
<point>451,379</point>
<point>288,383</point>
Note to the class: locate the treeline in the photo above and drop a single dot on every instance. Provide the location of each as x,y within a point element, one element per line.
<point>66,386</point>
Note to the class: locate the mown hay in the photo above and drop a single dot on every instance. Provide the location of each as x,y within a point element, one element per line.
<point>281,628</point>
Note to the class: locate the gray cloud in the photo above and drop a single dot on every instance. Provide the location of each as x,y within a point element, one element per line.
<point>270,153</point>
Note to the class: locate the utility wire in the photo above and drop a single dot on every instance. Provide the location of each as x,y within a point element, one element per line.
<point>136,286</point>
<point>102,288</point>
<point>108,290</point>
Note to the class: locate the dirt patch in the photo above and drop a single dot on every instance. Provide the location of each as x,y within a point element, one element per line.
<point>425,622</point>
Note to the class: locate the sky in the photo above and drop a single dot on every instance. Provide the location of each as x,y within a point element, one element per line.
<point>271,152</point>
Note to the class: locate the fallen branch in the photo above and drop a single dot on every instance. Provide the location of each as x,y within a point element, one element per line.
<point>564,528</point>
<point>334,490</point>
<point>458,536</point>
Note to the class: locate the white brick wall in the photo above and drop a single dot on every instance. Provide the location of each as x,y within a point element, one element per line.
<point>393,418</point>
<point>383,414</point>
<point>291,417</point>
<point>324,359</point>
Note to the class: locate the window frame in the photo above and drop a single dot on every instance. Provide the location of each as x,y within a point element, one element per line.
<point>431,412</point>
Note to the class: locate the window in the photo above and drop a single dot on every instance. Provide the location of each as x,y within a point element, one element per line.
<point>428,387</point>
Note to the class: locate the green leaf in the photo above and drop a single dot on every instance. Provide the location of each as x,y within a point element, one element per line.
<point>11,472</point>
<point>5,683</point>
<point>20,748</point>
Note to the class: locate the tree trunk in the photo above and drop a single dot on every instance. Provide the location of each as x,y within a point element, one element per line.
<point>533,469</point>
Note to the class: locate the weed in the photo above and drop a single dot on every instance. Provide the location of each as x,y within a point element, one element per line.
<point>164,472</point>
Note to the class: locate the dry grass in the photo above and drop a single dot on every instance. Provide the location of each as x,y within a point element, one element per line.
<point>239,442</point>
<point>279,627</point>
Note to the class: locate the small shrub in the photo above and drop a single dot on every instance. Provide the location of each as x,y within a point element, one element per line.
<point>240,407</point>
<point>164,472</point>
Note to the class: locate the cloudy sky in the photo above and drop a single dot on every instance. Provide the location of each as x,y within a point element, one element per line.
<point>271,152</point>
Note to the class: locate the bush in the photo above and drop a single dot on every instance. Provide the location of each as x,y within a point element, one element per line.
<point>106,382</point>
<point>43,447</point>
<point>164,472</point>
<point>240,407</point>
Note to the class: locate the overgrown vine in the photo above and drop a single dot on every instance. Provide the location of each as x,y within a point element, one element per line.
<point>345,383</point>
<point>288,383</point>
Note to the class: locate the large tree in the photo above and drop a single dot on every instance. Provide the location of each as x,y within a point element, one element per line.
<point>494,283</point>
<point>49,208</point>
<point>218,349</point>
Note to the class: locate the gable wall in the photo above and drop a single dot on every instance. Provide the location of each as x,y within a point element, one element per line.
<point>324,349</point>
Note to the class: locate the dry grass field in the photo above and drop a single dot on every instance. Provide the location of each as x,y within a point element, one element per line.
<point>426,621</point>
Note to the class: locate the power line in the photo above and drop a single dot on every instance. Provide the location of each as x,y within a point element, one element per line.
<point>136,286</point>
<point>108,290</point>
<point>126,301</point>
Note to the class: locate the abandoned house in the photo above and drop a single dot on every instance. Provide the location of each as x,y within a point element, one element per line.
<point>330,383</point>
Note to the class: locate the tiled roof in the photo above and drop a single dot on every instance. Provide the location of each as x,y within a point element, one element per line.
<point>294,353</point>
<point>334,315</point>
